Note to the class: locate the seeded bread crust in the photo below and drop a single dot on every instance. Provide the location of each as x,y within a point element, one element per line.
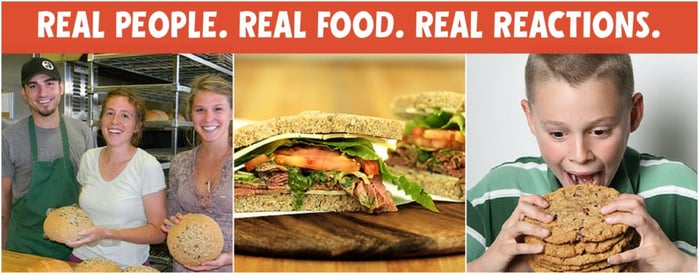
<point>196,239</point>
<point>140,268</point>
<point>63,224</point>
<point>97,265</point>
<point>433,183</point>
<point>408,106</point>
<point>318,122</point>
<point>285,201</point>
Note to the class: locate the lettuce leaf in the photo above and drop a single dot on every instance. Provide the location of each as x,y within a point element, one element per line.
<point>437,120</point>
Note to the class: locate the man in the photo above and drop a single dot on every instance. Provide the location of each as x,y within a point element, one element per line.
<point>40,156</point>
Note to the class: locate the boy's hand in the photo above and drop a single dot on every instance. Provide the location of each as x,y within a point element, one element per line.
<point>501,255</point>
<point>655,251</point>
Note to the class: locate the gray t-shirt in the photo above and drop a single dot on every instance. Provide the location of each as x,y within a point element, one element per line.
<point>17,154</point>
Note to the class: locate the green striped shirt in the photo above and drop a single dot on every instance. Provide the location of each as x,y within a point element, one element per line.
<point>668,187</point>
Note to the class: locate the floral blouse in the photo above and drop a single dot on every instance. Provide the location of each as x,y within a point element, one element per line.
<point>184,198</point>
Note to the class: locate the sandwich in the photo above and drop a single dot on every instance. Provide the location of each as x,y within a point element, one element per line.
<point>432,150</point>
<point>317,161</point>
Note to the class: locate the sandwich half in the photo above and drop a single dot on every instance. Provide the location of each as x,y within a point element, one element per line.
<point>432,150</point>
<point>317,161</point>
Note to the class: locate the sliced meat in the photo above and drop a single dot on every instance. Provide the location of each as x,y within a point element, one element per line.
<point>443,161</point>
<point>373,196</point>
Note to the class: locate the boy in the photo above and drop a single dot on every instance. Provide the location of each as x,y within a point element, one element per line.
<point>582,109</point>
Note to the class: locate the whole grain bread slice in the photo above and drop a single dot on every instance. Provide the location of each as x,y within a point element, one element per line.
<point>434,183</point>
<point>408,106</point>
<point>314,122</point>
<point>285,202</point>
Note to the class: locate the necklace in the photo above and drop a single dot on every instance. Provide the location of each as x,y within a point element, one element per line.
<point>217,169</point>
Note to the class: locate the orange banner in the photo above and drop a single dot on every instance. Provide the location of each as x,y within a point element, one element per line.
<point>349,27</point>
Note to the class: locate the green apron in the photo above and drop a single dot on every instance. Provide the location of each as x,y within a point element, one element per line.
<point>53,185</point>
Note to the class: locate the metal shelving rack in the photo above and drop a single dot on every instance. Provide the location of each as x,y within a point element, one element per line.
<point>171,74</point>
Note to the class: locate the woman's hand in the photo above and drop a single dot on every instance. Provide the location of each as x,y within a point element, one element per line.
<point>170,222</point>
<point>503,253</point>
<point>94,234</point>
<point>220,261</point>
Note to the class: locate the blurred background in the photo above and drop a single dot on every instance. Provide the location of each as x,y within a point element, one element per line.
<point>270,85</point>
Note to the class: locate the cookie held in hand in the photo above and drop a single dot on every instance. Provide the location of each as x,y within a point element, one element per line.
<point>581,240</point>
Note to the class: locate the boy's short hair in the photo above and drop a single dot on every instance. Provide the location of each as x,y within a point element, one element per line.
<point>579,68</point>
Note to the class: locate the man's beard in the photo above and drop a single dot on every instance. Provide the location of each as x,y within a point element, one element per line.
<point>47,112</point>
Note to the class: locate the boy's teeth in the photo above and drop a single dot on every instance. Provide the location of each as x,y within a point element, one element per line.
<point>583,179</point>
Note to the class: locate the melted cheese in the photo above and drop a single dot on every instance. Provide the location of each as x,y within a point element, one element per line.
<point>375,140</point>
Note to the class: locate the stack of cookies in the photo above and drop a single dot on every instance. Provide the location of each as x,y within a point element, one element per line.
<point>580,239</point>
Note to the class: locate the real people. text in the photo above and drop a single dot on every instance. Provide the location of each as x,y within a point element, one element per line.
<point>132,24</point>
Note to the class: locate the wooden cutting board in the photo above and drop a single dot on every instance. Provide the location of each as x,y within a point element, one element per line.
<point>413,231</point>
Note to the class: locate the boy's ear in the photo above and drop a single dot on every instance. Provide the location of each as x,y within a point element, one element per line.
<point>636,111</point>
<point>528,113</point>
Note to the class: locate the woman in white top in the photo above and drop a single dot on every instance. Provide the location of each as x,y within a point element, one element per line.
<point>122,188</point>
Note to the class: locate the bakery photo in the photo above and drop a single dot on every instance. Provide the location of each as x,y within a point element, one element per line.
<point>588,164</point>
<point>313,140</point>
<point>117,162</point>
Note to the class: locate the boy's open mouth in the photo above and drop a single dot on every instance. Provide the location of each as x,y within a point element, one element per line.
<point>589,178</point>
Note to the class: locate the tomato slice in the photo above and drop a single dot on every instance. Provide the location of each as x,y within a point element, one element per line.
<point>315,158</point>
<point>252,163</point>
<point>436,138</point>
<point>417,131</point>
<point>370,167</point>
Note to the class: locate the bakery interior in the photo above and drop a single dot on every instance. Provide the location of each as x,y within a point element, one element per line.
<point>265,86</point>
<point>160,79</point>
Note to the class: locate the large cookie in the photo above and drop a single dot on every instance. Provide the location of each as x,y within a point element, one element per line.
<point>599,267</point>
<point>577,217</point>
<point>579,260</point>
<point>580,248</point>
